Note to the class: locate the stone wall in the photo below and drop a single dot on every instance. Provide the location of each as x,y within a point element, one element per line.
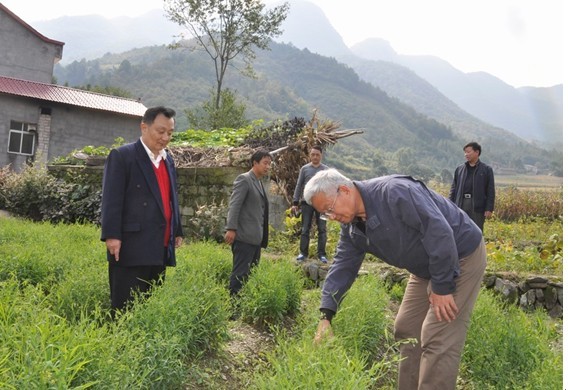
<point>196,187</point>
<point>530,293</point>
<point>202,186</point>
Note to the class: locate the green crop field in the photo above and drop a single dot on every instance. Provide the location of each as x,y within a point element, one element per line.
<point>56,331</point>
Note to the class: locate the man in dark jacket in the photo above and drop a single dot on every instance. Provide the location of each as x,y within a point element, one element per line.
<point>140,219</point>
<point>404,223</point>
<point>473,187</point>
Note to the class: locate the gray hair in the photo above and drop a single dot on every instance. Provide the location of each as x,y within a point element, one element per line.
<point>327,182</point>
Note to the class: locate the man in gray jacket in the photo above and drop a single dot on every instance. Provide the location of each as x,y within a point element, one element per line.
<point>247,221</point>
<point>404,223</point>
<point>308,213</point>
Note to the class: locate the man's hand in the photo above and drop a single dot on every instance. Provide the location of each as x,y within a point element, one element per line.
<point>230,236</point>
<point>488,214</point>
<point>444,307</point>
<point>324,331</point>
<point>179,241</point>
<point>113,246</point>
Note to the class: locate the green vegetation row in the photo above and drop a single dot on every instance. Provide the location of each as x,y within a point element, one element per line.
<point>56,331</point>
<point>55,320</point>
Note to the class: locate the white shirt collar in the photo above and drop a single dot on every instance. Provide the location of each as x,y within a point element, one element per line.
<point>155,159</point>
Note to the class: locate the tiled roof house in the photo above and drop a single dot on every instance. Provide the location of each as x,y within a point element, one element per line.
<point>40,120</point>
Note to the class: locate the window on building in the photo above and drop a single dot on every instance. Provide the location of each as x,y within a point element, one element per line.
<point>22,138</point>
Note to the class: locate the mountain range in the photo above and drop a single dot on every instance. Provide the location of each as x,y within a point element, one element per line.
<point>535,114</point>
<point>367,86</point>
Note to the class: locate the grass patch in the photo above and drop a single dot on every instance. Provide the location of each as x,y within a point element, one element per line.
<point>509,349</point>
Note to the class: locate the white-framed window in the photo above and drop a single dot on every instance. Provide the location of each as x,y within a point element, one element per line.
<point>22,138</point>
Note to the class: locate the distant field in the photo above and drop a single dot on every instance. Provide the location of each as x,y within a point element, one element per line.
<point>528,181</point>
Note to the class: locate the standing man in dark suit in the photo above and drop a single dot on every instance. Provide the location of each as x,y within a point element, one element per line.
<point>140,219</point>
<point>473,187</point>
<point>247,221</point>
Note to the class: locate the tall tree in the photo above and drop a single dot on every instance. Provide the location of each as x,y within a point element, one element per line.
<point>225,29</point>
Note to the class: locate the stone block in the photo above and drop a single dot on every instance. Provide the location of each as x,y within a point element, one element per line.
<point>508,290</point>
<point>550,297</point>
<point>524,287</point>
<point>539,294</point>
<point>556,311</point>
<point>489,280</point>
<point>537,282</point>
<point>530,297</point>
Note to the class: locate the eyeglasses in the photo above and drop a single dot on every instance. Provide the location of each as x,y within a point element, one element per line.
<point>329,213</point>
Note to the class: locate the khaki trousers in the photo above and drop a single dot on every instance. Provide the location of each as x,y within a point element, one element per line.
<point>433,362</point>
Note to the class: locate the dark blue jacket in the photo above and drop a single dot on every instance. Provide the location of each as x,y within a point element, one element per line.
<point>132,209</point>
<point>408,226</point>
<point>483,187</point>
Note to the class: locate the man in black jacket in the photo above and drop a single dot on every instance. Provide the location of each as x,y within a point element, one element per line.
<point>473,187</point>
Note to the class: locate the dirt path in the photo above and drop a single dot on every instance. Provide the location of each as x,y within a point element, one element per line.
<point>233,367</point>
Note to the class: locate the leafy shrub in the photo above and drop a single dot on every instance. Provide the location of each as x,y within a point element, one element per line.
<point>32,192</point>
<point>212,138</point>
<point>276,134</point>
<point>79,156</point>
<point>36,194</point>
<point>272,290</point>
<point>5,172</point>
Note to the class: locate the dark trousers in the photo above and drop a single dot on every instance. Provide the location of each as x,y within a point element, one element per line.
<point>125,282</point>
<point>245,257</point>
<point>478,218</point>
<point>308,213</point>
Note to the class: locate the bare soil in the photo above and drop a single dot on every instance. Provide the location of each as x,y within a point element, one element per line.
<point>233,367</point>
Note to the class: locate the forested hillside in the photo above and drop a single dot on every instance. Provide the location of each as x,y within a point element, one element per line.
<point>291,83</point>
<point>470,103</point>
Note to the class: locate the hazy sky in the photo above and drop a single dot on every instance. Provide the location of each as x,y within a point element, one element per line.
<point>519,41</point>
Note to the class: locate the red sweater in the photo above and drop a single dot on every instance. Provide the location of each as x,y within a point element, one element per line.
<point>164,183</point>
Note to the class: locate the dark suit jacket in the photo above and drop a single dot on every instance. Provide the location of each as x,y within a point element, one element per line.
<point>248,210</point>
<point>132,209</point>
<point>483,187</point>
